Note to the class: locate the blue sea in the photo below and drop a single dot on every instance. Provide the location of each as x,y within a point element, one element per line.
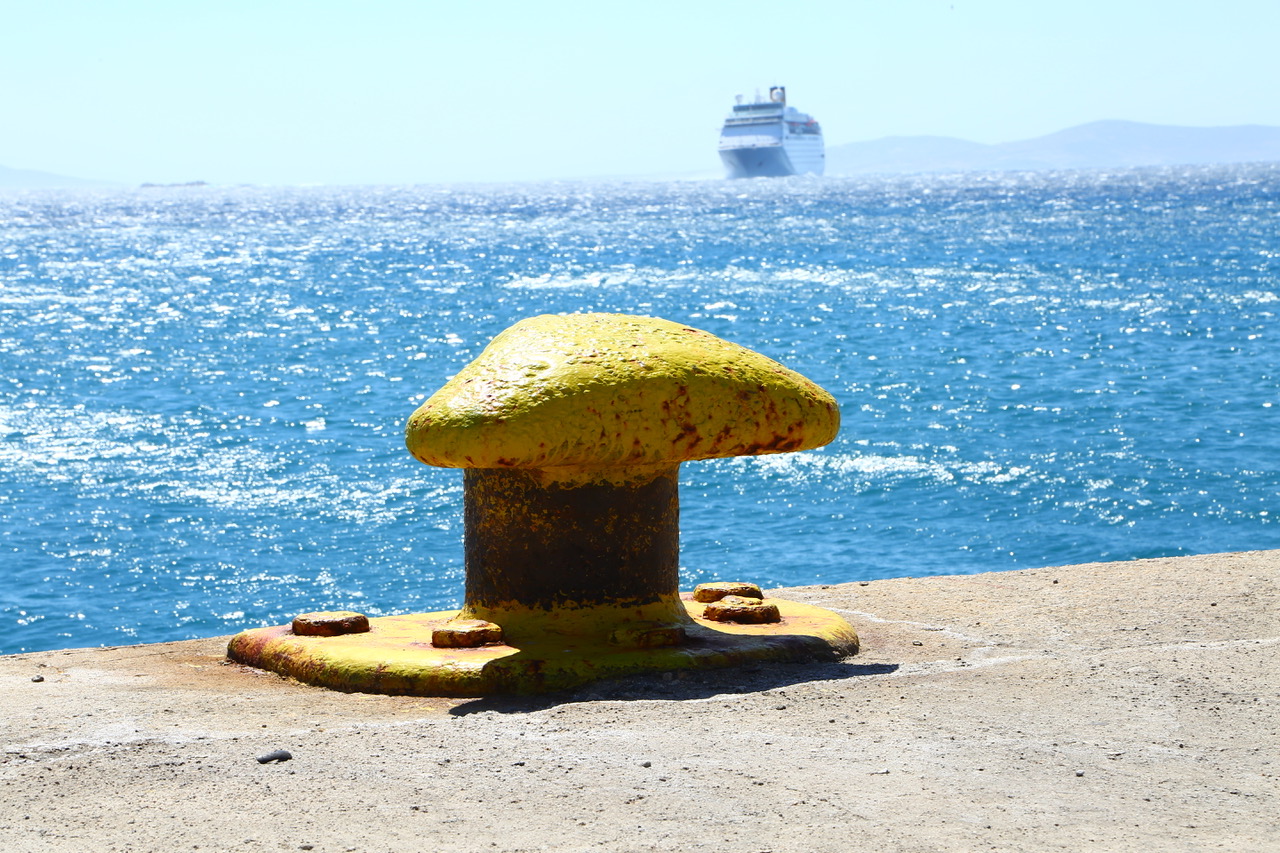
<point>203,390</point>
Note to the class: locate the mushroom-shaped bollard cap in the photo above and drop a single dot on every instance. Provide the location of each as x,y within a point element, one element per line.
<point>585,397</point>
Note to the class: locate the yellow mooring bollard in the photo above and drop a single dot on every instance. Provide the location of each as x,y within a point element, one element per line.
<point>571,430</point>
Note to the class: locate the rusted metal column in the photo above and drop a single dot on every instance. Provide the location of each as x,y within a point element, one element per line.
<point>535,546</point>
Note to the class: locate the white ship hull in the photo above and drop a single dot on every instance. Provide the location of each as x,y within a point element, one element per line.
<point>774,161</point>
<point>770,139</point>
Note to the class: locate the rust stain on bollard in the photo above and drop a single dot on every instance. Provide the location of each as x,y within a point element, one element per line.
<point>332,623</point>
<point>466,634</point>
<point>706,592</point>
<point>744,611</point>
<point>642,635</point>
<point>571,430</point>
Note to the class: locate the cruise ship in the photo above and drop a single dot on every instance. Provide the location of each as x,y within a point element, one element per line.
<point>767,138</point>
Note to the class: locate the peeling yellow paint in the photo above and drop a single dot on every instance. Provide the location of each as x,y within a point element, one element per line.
<point>592,620</point>
<point>395,656</point>
<point>581,395</point>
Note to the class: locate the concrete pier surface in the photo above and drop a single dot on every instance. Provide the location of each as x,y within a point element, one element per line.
<point>1109,706</point>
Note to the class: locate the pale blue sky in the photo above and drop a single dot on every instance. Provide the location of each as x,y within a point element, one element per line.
<point>287,92</point>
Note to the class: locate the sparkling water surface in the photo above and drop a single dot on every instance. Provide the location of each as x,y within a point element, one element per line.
<point>203,391</point>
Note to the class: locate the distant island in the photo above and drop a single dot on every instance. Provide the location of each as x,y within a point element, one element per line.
<point>30,179</point>
<point>1097,145</point>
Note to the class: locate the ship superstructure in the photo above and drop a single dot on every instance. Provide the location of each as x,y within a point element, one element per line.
<point>767,138</point>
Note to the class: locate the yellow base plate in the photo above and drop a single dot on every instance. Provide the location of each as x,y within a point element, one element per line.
<point>396,656</point>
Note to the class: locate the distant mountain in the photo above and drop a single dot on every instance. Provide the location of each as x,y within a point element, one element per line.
<point>28,179</point>
<point>1098,145</point>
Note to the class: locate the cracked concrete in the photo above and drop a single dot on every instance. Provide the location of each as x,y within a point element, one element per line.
<point>1111,706</point>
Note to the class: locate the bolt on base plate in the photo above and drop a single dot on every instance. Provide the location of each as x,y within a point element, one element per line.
<point>395,656</point>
